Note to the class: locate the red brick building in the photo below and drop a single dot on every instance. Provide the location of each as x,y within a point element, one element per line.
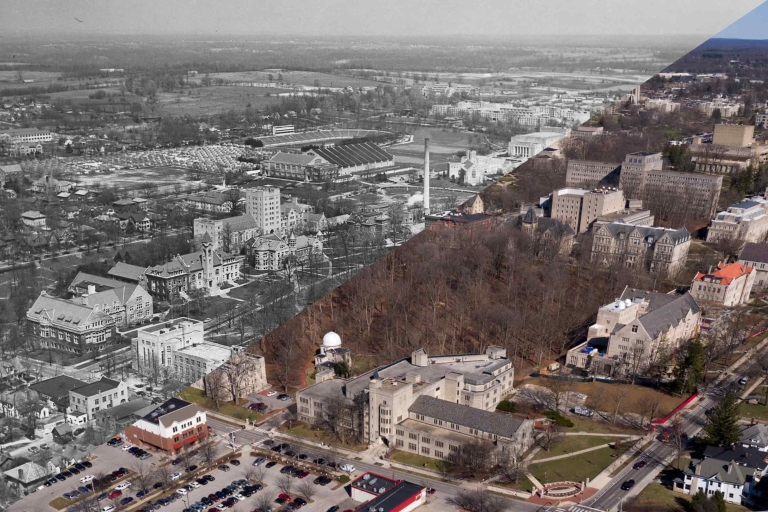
<point>170,426</point>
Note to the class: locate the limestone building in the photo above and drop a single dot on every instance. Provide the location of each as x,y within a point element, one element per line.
<point>755,255</point>
<point>263,203</point>
<point>154,345</point>
<point>657,249</point>
<point>243,374</point>
<point>228,234</point>
<point>729,285</point>
<point>591,174</point>
<point>746,221</point>
<point>635,330</point>
<point>742,135</point>
<point>579,208</point>
<point>425,398</point>
<point>550,235</point>
<point>331,354</point>
<point>530,144</point>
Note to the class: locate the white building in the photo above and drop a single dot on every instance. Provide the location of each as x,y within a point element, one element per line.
<point>263,203</point>
<point>474,168</point>
<point>154,346</point>
<point>729,285</point>
<point>746,221</point>
<point>96,396</point>
<point>530,144</point>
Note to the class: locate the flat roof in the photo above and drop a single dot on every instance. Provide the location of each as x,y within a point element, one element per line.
<point>169,324</point>
<point>207,350</point>
<point>393,499</point>
<point>374,483</point>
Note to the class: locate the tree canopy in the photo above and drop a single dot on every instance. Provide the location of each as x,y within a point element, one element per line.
<point>723,427</point>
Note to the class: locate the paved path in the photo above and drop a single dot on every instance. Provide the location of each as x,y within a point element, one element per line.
<point>585,450</point>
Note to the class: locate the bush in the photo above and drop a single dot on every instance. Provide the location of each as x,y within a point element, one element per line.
<point>506,406</point>
<point>344,479</point>
<point>559,419</point>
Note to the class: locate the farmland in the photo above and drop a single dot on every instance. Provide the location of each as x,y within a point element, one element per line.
<point>294,77</point>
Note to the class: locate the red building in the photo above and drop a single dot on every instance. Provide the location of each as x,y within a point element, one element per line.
<point>170,426</point>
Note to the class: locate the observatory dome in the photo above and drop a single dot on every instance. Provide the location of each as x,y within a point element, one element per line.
<point>331,340</point>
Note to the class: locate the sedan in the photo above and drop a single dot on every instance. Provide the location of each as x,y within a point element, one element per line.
<point>108,508</point>
<point>259,460</point>
<point>176,462</point>
<point>61,477</point>
<point>299,502</point>
<point>334,508</point>
<point>122,485</point>
<point>145,456</point>
<point>85,479</point>
<point>175,476</point>
<point>83,490</point>
<point>191,468</point>
<point>126,501</point>
<point>639,465</point>
<point>224,467</point>
<point>270,464</point>
<point>209,478</point>
<point>213,498</point>
<point>303,474</point>
<point>87,464</point>
<point>115,494</point>
<point>287,469</point>
<point>627,485</point>
<point>235,462</point>
<point>79,466</point>
<point>272,393</point>
<point>202,481</point>
<point>181,492</point>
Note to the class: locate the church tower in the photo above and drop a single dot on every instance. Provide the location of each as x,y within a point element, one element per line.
<point>208,259</point>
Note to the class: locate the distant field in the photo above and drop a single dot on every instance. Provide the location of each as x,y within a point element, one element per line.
<point>295,77</point>
<point>11,78</point>
<point>443,146</point>
<point>82,94</point>
<point>212,100</point>
<point>131,178</point>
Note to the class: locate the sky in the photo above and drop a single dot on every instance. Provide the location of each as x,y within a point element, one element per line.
<point>702,18</point>
<point>752,26</point>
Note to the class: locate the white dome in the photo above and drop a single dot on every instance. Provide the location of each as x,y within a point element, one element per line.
<point>331,340</point>
<point>628,302</point>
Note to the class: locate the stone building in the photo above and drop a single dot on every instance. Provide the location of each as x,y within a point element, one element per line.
<point>331,354</point>
<point>228,234</point>
<point>400,396</point>
<point>550,235</point>
<point>154,345</point>
<point>635,330</point>
<point>755,255</point>
<point>591,174</point>
<point>746,221</point>
<point>656,249</point>
<point>729,285</point>
<point>126,303</point>
<point>579,208</point>
<point>269,252</point>
<point>263,203</point>
<point>243,374</point>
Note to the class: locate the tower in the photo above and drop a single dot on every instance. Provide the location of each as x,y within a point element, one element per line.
<point>426,176</point>
<point>207,244</point>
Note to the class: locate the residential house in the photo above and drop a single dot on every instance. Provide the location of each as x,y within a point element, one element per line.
<point>754,436</point>
<point>26,478</point>
<point>86,400</point>
<point>33,219</point>
<point>56,390</point>
<point>117,418</point>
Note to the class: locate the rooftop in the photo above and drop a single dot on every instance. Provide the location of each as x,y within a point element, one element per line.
<point>173,410</point>
<point>757,252</point>
<point>725,273</point>
<point>212,352</point>
<point>171,324</point>
<point>57,387</point>
<point>394,499</point>
<point>96,388</point>
<point>502,425</point>
<point>373,483</point>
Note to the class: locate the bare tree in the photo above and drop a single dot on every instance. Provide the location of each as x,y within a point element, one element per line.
<point>478,501</point>
<point>215,388</point>
<point>511,465</point>
<point>285,484</point>
<point>306,489</point>
<point>142,476</point>
<point>256,474</point>
<point>163,475</point>
<point>647,405</point>
<point>207,450</point>
<point>264,501</point>
<point>551,436</point>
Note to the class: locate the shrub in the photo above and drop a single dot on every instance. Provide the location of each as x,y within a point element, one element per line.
<point>506,406</point>
<point>559,419</point>
<point>344,479</point>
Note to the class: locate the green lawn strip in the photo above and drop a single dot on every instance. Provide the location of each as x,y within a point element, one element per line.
<point>523,485</point>
<point>238,412</point>
<point>577,468</point>
<point>658,495</point>
<point>415,460</point>
<point>598,427</point>
<point>758,412</point>
<point>570,444</point>
<point>316,435</point>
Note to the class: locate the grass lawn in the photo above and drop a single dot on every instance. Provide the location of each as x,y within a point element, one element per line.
<point>416,460</point>
<point>523,485</point>
<point>570,444</point>
<point>316,435</point>
<point>239,412</point>
<point>577,468</point>
<point>247,291</point>
<point>759,411</point>
<point>598,427</point>
<point>657,494</point>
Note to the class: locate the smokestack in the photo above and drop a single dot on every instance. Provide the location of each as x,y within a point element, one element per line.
<point>426,176</point>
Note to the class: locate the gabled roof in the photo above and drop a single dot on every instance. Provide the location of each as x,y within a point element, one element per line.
<point>503,425</point>
<point>63,313</point>
<point>725,273</point>
<point>98,387</point>
<point>27,473</point>
<point>755,252</point>
<point>294,158</point>
<point>127,272</point>
<point>240,223</point>
<point>57,387</point>
<point>648,233</point>
<point>754,435</point>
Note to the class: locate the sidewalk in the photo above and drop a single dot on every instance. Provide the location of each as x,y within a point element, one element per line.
<point>585,450</point>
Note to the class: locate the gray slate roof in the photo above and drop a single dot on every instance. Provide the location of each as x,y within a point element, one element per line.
<point>664,310</point>
<point>98,387</point>
<point>677,235</point>
<point>755,252</point>
<point>754,435</point>
<point>503,425</point>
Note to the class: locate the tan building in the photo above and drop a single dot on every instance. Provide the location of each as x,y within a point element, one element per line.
<point>729,285</point>
<point>746,221</point>
<point>228,234</point>
<point>243,374</point>
<point>154,345</point>
<point>636,329</point>
<point>193,362</point>
<point>741,135</point>
<point>263,203</point>
<point>656,249</point>
<point>590,174</point>
<point>642,177</point>
<point>126,303</point>
<point>466,385</point>
<point>579,208</point>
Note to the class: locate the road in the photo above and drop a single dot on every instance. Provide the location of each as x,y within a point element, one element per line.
<point>658,454</point>
<point>254,437</point>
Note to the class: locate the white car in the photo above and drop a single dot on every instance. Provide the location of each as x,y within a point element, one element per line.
<point>86,479</point>
<point>181,491</point>
<point>127,447</point>
<point>194,484</point>
<point>176,476</point>
<point>239,497</point>
<point>272,393</point>
<point>349,468</point>
<point>108,508</point>
<point>122,486</point>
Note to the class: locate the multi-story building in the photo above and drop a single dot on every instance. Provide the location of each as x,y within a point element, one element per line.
<point>755,255</point>
<point>301,167</point>
<point>193,362</point>
<point>733,471</point>
<point>530,144</point>
<point>551,235</point>
<point>219,202</point>
<point>589,174</point>
<point>761,119</point>
<point>356,157</point>
<point>86,400</point>
<point>228,234</point>
<point>729,285</point>
<point>656,249</point>
<point>129,273</point>
<point>21,135</point>
<point>635,330</point>
<point>664,105</point>
<point>49,184</point>
<point>242,374</point>
<point>154,345</point>
<point>34,220</point>
<point>726,109</point>
<point>268,252</point>
<point>448,397</point>
<point>746,221</point>
<point>295,216</point>
<point>579,208</point>
<point>263,203</point>
<point>65,325</point>
<point>126,303</point>
<point>741,135</point>
<point>729,160</point>
<point>206,269</point>
<point>170,427</point>
<point>473,168</point>
<point>642,177</point>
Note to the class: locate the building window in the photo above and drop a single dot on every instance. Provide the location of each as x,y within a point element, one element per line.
<point>425,450</point>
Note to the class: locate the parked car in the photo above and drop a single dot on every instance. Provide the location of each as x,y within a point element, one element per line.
<point>126,501</point>
<point>122,485</point>
<point>115,494</point>
<point>85,479</point>
<point>272,393</point>
<point>270,464</point>
<point>175,476</point>
<point>259,460</point>
<point>224,467</point>
<point>347,468</point>
<point>108,508</point>
<point>235,462</point>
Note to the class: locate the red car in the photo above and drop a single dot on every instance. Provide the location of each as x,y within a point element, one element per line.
<point>430,490</point>
<point>284,496</point>
<point>115,494</point>
<point>303,474</point>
